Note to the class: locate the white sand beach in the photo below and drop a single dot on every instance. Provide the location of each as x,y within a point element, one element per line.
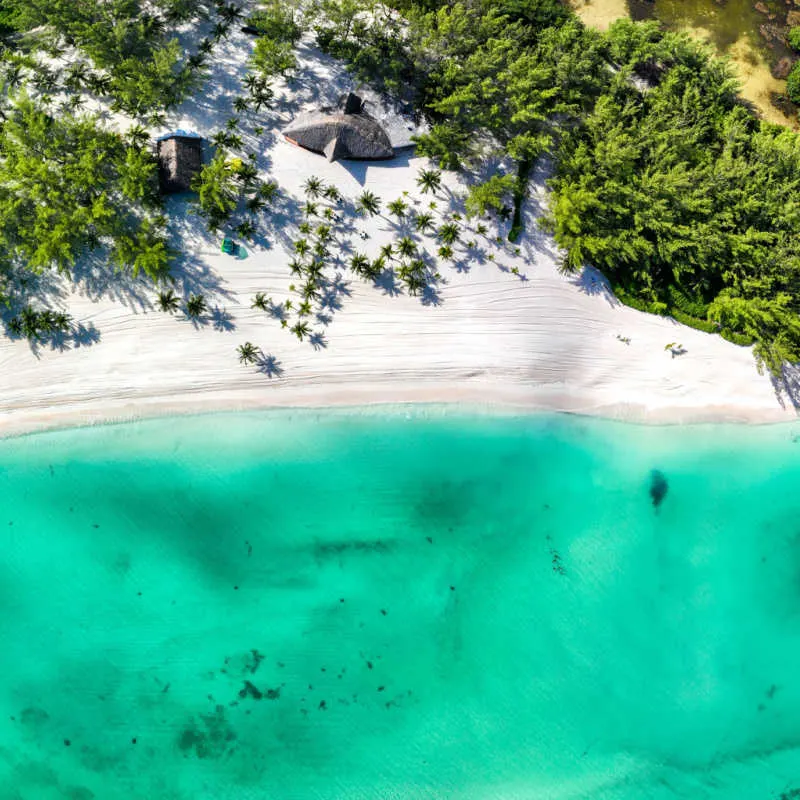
<point>484,337</point>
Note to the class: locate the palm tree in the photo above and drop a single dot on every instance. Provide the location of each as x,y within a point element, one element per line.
<point>448,233</point>
<point>251,81</point>
<point>301,247</point>
<point>261,302</point>
<point>137,135</point>
<point>311,209</point>
<point>230,13</point>
<point>246,229</point>
<point>481,229</point>
<point>423,221</point>
<point>262,97</point>
<point>267,190</point>
<point>445,252</point>
<point>301,330</point>
<point>429,180</point>
<point>313,186</point>
<point>304,227</point>
<point>304,309</point>
<point>406,246</point>
<point>196,305</point>
<point>241,104</point>
<point>323,232</point>
<point>398,208</point>
<point>296,267</point>
<point>387,251</point>
<point>333,194</point>
<point>359,263</point>
<point>368,203</point>
<point>255,204</point>
<point>310,289</point>
<point>248,353</point>
<point>168,301</point>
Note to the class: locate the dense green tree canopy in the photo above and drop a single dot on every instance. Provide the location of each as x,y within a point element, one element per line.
<point>68,185</point>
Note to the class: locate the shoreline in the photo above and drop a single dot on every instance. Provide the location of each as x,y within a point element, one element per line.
<point>430,398</point>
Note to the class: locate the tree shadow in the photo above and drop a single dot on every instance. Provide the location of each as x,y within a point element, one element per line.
<point>222,320</point>
<point>787,386</point>
<point>592,282</point>
<point>94,278</point>
<point>269,366</point>
<point>191,275</point>
<point>430,296</point>
<point>318,340</point>
<point>387,282</point>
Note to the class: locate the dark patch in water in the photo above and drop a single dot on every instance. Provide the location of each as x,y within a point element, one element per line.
<point>658,487</point>
<point>328,549</point>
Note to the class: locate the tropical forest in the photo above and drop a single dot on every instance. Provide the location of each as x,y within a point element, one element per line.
<point>660,175</point>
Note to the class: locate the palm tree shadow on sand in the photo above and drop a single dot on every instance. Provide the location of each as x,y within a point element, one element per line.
<point>270,366</point>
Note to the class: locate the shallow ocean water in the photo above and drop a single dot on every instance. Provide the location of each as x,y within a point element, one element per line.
<point>399,604</point>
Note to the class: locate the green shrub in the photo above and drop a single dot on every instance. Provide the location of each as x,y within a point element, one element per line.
<point>793,83</point>
<point>741,339</point>
<point>693,322</point>
<point>794,38</point>
<point>690,305</point>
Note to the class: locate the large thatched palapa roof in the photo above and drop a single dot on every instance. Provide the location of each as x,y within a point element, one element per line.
<point>180,157</point>
<point>346,132</point>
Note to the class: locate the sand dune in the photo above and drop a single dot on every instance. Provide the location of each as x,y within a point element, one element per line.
<point>483,337</point>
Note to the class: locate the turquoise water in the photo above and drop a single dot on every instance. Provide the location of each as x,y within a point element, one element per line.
<point>406,605</point>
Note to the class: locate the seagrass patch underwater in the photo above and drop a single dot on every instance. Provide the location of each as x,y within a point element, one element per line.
<point>411,603</point>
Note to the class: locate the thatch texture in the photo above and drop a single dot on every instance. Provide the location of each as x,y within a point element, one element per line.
<point>339,135</point>
<point>179,160</point>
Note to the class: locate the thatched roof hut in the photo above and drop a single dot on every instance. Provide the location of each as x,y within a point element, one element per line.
<point>180,157</point>
<point>346,132</point>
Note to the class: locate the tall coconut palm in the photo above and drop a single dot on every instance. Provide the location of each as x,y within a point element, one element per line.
<point>246,229</point>
<point>368,203</point>
<point>196,306</point>
<point>255,204</point>
<point>398,208</point>
<point>261,302</point>
<point>301,247</point>
<point>296,267</point>
<point>241,104</point>
<point>445,252</point>
<point>248,353</point>
<point>267,190</point>
<point>310,209</point>
<point>387,251</point>
<point>137,135</point>
<point>333,194</point>
<point>168,301</point>
<point>314,186</point>
<point>359,263</point>
<point>310,290</point>
<point>304,309</point>
<point>448,233</point>
<point>429,180</point>
<point>230,13</point>
<point>406,246</point>
<point>423,221</point>
<point>301,330</point>
<point>323,232</point>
